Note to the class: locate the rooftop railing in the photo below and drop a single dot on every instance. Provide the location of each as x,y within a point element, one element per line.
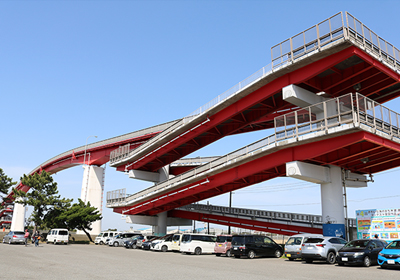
<point>341,26</point>
<point>350,111</point>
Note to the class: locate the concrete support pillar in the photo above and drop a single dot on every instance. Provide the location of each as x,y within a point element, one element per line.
<point>332,204</point>
<point>92,191</point>
<point>18,219</point>
<point>161,227</point>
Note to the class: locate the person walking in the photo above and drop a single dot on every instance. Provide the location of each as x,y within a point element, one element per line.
<point>36,236</point>
<point>26,236</point>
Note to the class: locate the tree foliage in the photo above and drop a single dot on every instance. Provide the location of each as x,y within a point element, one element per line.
<point>43,195</point>
<point>5,184</point>
<point>80,216</point>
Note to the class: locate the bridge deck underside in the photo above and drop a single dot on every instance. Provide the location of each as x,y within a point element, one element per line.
<point>345,151</point>
<point>337,74</point>
<point>272,227</point>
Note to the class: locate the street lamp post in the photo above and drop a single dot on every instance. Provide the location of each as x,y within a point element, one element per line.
<point>84,157</point>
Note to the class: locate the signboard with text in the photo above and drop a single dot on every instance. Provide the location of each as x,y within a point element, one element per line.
<point>383,222</point>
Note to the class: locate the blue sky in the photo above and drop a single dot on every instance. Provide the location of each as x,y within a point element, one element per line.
<point>71,69</point>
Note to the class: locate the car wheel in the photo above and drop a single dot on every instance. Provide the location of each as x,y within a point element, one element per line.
<point>164,248</point>
<point>9,241</point>
<point>116,244</point>
<point>309,260</point>
<point>367,261</point>
<point>55,243</point>
<point>197,251</point>
<point>134,246</point>
<point>218,254</point>
<point>228,253</point>
<point>331,258</point>
<point>251,254</point>
<point>101,243</point>
<point>278,254</point>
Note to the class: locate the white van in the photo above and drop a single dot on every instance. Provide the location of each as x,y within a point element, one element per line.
<point>293,245</point>
<point>58,235</point>
<point>104,235</point>
<point>198,243</point>
<point>176,242</point>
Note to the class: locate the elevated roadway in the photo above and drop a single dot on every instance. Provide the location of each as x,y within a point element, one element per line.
<point>254,219</point>
<point>335,57</point>
<point>362,136</point>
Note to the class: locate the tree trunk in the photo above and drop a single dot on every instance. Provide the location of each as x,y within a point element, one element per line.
<point>88,235</point>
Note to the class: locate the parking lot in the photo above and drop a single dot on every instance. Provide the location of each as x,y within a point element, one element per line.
<point>103,262</point>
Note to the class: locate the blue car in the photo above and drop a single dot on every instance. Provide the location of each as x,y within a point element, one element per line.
<point>390,255</point>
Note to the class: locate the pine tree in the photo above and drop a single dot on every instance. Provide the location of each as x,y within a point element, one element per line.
<point>5,184</point>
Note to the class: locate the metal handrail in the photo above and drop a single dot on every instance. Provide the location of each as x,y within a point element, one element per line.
<point>257,213</point>
<point>308,42</point>
<point>349,111</point>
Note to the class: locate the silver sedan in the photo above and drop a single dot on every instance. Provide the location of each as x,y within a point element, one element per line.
<point>14,237</point>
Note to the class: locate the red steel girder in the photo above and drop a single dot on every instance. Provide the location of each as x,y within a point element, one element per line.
<point>272,165</point>
<point>278,228</point>
<point>247,102</point>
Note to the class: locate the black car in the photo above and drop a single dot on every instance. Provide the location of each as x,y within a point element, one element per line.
<point>131,243</point>
<point>361,251</point>
<point>255,245</point>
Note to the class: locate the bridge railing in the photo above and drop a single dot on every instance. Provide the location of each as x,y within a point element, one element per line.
<point>341,113</point>
<point>329,31</point>
<point>289,51</point>
<point>116,197</point>
<point>313,220</point>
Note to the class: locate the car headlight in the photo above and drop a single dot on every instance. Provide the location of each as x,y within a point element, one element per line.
<point>359,254</point>
<point>380,254</point>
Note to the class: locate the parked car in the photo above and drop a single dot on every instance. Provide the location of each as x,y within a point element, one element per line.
<point>139,242</point>
<point>163,244</point>
<point>255,245</point>
<point>131,243</point>
<point>322,248</point>
<point>198,243</point>
<point>57,235</point>
<point>121,238</point>
<point>390,255</point>
<point>147,245</point>
<point>360,251</point>
<point>14,237</point>
<point>176,242</point>
<point>294,244</point>
<point>223,245</point>
<point>101,239</point>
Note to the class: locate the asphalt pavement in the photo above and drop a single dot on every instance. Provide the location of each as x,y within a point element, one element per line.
<point>75,261</point>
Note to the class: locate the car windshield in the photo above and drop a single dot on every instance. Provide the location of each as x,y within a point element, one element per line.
<point>222,239</point>
<point>19,232</point>
<point>314,240</point>
<point>100,235</point>
<point>394,245</point>
<point>357,244</point>
<point>294,241</point>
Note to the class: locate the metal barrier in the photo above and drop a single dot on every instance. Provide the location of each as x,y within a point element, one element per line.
<point>312,220</point>
<point>350,111</point>
<point>308,42</point>
<point>116,197</point>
